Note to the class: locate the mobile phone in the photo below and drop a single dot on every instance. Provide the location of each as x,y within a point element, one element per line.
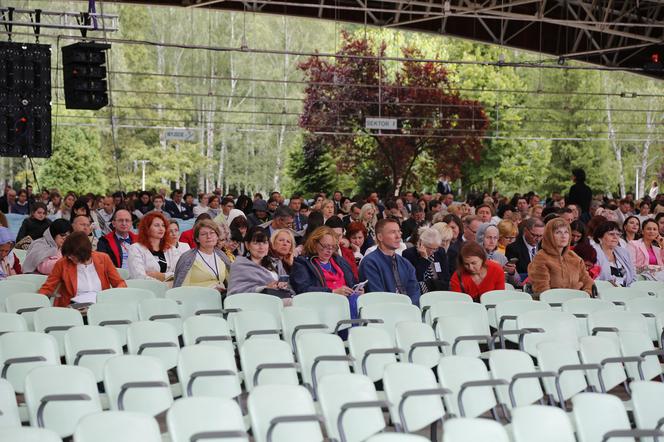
<point>359,286</point>
<point>514,260</point>
<point>283,278</point>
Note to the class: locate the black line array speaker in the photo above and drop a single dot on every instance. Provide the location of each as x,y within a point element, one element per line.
<point>25,99</point>
<point>84,72</point>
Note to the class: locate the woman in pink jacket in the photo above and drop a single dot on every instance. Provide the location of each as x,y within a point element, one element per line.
<point>647,251</point>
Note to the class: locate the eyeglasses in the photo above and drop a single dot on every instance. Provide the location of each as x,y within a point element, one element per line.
<point>207,234</point>
<point>329,247</point>
<point>534,235</point>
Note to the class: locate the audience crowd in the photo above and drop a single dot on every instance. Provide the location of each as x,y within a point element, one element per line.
<point>409,244</point>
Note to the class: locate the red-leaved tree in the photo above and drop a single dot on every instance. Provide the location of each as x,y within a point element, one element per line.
<point>433,118</point>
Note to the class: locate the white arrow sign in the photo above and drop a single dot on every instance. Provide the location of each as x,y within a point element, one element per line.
<point>180,135</point>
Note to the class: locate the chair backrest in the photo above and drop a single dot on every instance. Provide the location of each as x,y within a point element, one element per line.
<point>206,370</point>
<point>650,307</point>
<point>137,383</point>
<point>256,302</point>
<point>453,373</point>
<point>492,298</point>
<point>648,402</point>
<point>596,414</point>
<point>56,321</point>
<point>267,362</point>
<point>11,322</point>
<point>541,423</point>
<point>8,288</point>
<point>29,434</point>
<point>300,320</point>
<point>208,330</point>
<point>619,295</point>
<point>58,396</point>
<point>594,350</point>
<point>30,278</point>
<point>124,273</point>
<point>418,342</point>
<point>90,346</point>
<point>455,329</point>
<point>25,304</point>
<point>153,338</point>
<point>391,314</point>
<point>110,426</point>
<point>619,320</point>
<point>474,430</point>
<point>255,324</point>
<point>413,412</point>
<point>506,310</point>
<point>20,352</point>
<point>331,307</point>
<point>117,316</point>
<point>505,364</point>
<point>581,307</point>
<point>158,288</point>
<point>196,300</point>
<point>315,353</point>
<point>381,298</point>
<point>267,404</point>
<point>337,390</point>
<point>555,297</point>
<point>372,350</point>
<point>557,326</point>
<point>397,437</point>
<point>9,416</point>
<point>656,287</point>
<point>635,344</point>
<point>475,315</point>
<point>125,295</point>
<point>196,416</point>
<point>161,310</point>
<point>551,356</point>
<point>430,298</point>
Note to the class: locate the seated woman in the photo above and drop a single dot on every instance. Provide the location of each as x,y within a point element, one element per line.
<point>282,247</point>
<point>589,256</point>
<point>631,230</point>
<point>646,252</point>
<point>174,230</point>
<point>554,265</point>
<point>152,256</point>
<point>475,274</point>
<point>488,236</point>
<point>81,274</point>
<point>206,265</point>
<point>258,273</point>
<point>9,263</point>
<point>34,226</point>
<point>507,233</point>
<point>430,261</point>
<point>320,268</point>
<point>578,233</point>
<point>615,262</point>
<point>356,234</point>
<point>45,252</point>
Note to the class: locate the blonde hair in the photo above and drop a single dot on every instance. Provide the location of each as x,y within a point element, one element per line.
<point>288,259</point>
<point>506,228</point>
<point>315,237</point>
<point>363,212</point>
<point>446,232</point>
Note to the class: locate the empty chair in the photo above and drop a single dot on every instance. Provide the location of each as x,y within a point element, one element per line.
<point>9,416</point>
<point>56,321</point>
<point>205,370</point>
<point>459,322</point>
<point>297,320</point>
<point>350,406</point>
<point>648,402</point>
<point>321,355</point>
<point>419,343</point>
<point>256,301</point>
<point>471,389</point>
<point>266,361</point>
<point>283,413</point>
<point>8,288</point>
<point>638,344</point>
<point>162,310</point>
<point>20,352</point>
<point>616,320</point>
<point>546,326</point>
<point>31,278</point>
<point>494,297</point>
<point>58,396</point>
<point>124,273</point>
<point>372,350</point>
<point>117,316</point>
<point>620,295</point>
<point>518,368</point>
<point>381,298</point>
<point>195,301</point>
<point>562,358</point>
<point>650,307</point>
<point>333,310</point>
<point>606,353</point>
<point>28,434</point>
<point>582,307</point>
<point>125,295</point>
<point>541,423</point>
<point>208,330</point>
<point>91,346</point>
<point>430,298</point>
<point>507,313</point>
<point>414,395</point>
<point>556,297</point>
<point>154,339</point>
<point>25,304</point>
<point>390,314</point>
<point>654,287</point>
<point>255,323</point>
<point>201,418</point>
<point>474,430</point>
<point>111,426</point>
<point>137,383</point>
<point>11,322</point>
<point>158,288</point>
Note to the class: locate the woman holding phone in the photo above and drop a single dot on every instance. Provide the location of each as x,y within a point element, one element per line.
<point>646,252</point>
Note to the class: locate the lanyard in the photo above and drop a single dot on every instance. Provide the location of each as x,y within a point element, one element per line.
<point>215,270</point>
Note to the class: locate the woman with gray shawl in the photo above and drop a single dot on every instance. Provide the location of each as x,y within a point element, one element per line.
<point>258,273</point>
<point>45,252</point>
<point>487,236</point>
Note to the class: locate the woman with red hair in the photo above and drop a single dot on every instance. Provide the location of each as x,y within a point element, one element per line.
<point>152,256</point>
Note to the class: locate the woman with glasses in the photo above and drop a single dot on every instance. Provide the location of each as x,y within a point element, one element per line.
<point>153,256</point>
<point>45,252</point>
<point>646,252</point>
<point>206,265</point>
<point>507,232</point>
<point>321,268</point>
<point>258,272</point>
<point>430,261</point>
<point>615,261</point>
<point>174,229</point>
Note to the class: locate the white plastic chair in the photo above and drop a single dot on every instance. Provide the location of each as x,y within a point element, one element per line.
<point>581,308</point>
<point>58,396</point>
<point>31,278</point>
<point>462,325</point>
<point>117,316</point>
<point>542,424</point>
<point>112,426</point>
<point>201,418</point>
<point>608,323</point>
<point>195,301</point>
<point>321,355</point>
<point>254,302</point>
<point>650,307</point>
<point>474,430</point>
<point>381,298</point>
<point>8,288</point>
<point>156,339</point>
<point>419,343</point>
<point>283,413</point>
<point>562,358</point>
<point>492,298</point>
<point>250,324</point>
<point>21,352</point>
<point>56,321</point>
<point>300,320</point>
<point>507,313</point>
<point>12,322</point>
<point>518,368</point>
<point>90,346</point>
<point>332,309</point>
<point>351,407</point>
<point>430,298</point>
<point>606,353</point>
<point>372,349</point>
<point>28,434</point>
<point>555,297</point>
<point>546,325</point>
<point>137,383</point>
<point>208,330</point>
<point>390,314</point>
<point>125,295</point>
<point>639,345</point>
<point>124,273</point>
<point>9,415</point>
<point>620,295</point>
<point>397,437</point>
<point>161,310</point>
<point>267,362</point>
<point>648,403</point>
<point>654,287</point>
<point>205,370</point>
<point>26,304</point>
<point>158,288</point>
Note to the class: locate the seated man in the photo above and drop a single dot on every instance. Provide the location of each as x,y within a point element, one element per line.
<point>116,243</point>
<point>384,269</point>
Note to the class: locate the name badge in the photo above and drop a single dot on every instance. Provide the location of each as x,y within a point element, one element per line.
<point>436,266</point>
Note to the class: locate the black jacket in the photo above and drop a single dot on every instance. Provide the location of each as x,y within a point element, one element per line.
<point>421,264</point>
<point>581,195</point>
<point>306,276</point>
<point>175,212</point>
<point>32,228</point>
<point>519,249</point>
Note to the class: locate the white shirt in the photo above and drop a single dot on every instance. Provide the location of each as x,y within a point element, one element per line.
<point>88,283</point>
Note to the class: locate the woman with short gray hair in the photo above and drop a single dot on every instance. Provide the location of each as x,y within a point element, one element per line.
<point>430,261</point>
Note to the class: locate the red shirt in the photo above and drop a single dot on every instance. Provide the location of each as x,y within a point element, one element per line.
<point>188,237</point>
<point>494,280</point>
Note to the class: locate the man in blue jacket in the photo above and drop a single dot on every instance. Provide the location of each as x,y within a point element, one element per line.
<point>384,269</point>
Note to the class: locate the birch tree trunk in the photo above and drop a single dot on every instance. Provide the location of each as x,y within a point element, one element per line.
<point>617,148</point>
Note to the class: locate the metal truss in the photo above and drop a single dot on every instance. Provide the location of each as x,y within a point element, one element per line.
<point>38,19</point>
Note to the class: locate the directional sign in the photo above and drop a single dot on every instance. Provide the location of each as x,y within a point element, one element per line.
<point>381,123</point>
<point>180,135</point>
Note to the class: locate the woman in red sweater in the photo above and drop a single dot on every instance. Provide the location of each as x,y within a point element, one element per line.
<point>476,274</point>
